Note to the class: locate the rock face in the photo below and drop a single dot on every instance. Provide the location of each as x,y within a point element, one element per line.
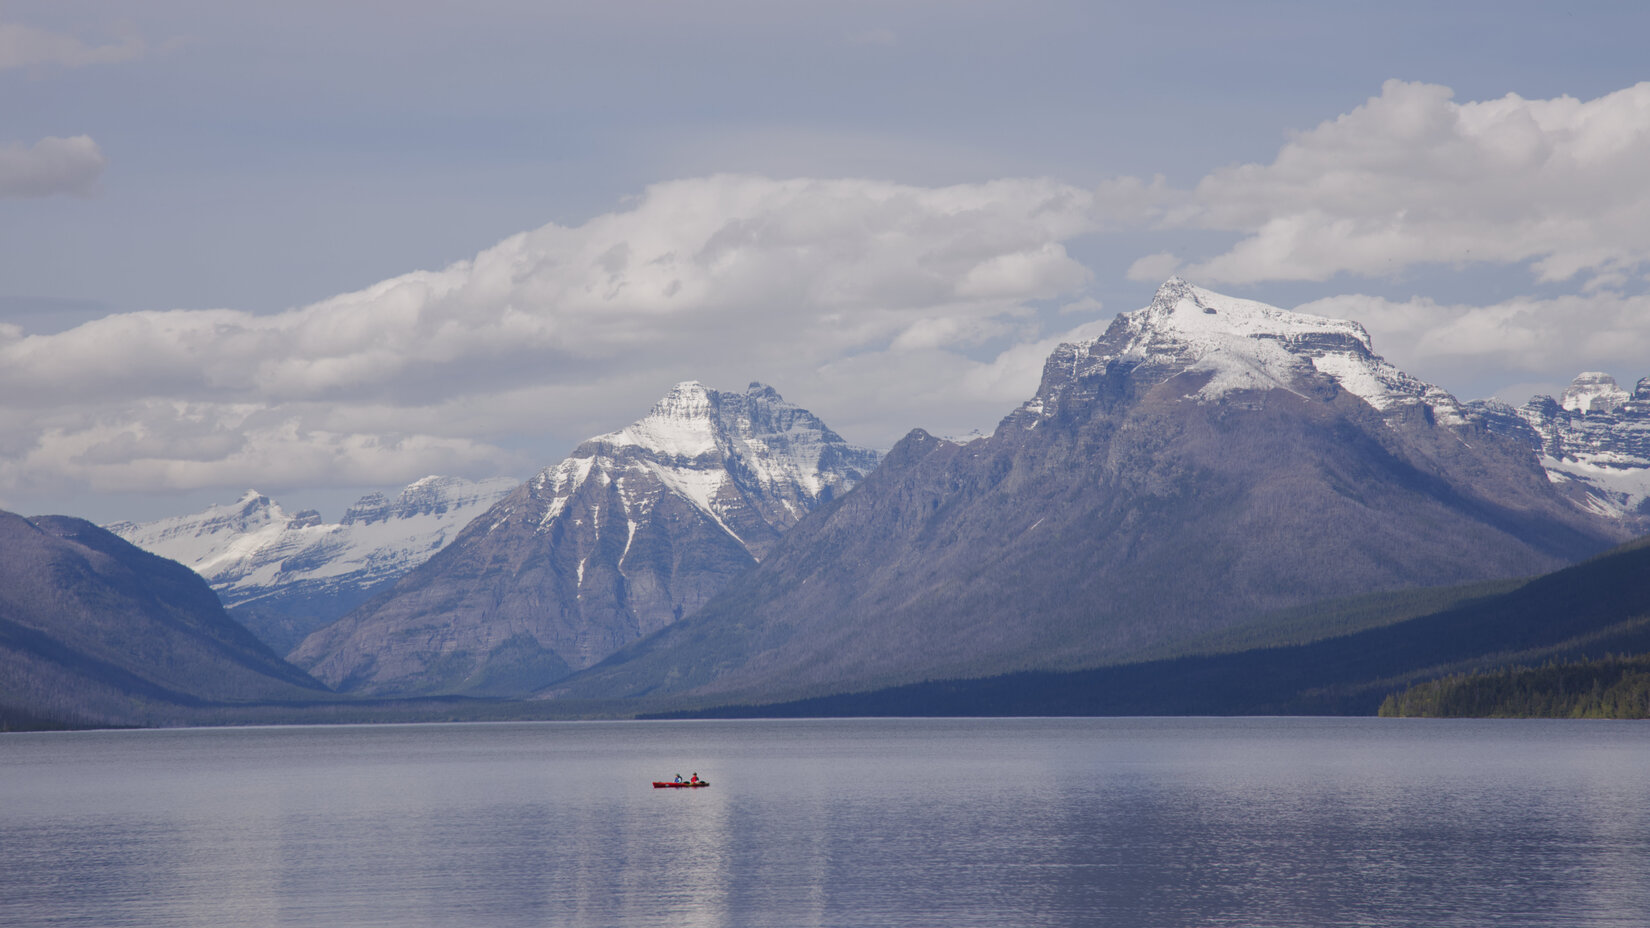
<point>285,575</point>
<point>1594,443</point>
<point>95,631</point>
<point>630,533</point>
<point>1206,460</point>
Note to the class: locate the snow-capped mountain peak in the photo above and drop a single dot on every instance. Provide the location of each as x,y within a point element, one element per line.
<point>214,540</point>
<point>723,451</point>
<point>1183,318</point>
<point>1248,345</point>
<point>680,425</point>
<point>428,496</point>
<point>634,530</point>
<point>253,551</point>
<point>1594,392</point>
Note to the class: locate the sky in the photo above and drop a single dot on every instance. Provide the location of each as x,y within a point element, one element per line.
<point>321,249</point>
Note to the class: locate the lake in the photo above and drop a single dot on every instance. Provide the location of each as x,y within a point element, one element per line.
<point>1135,823</point>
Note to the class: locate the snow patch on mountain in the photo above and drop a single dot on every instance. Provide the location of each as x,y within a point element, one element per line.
<point>557,484</point>
<point>701,487</point>
<point>1614,492</point>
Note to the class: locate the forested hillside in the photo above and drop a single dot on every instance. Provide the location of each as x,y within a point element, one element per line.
<point>1609,688</point>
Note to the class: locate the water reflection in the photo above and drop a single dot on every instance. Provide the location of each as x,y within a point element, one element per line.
<point>1058,822</point>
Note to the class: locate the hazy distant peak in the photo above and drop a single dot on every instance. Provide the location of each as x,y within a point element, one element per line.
<point>1593,392</point>
<point>252,548</point>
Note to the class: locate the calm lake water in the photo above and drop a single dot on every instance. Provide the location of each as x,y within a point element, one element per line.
<point>1123,822</point>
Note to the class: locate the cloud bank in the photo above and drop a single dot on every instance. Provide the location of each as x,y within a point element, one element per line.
<point>881,306</point>
<point>1552,337</point>
<point>27,47</point>
<point>1552,192</point>
<point>865,300</point>
<point>1412,177</point>
<point>50,167</point>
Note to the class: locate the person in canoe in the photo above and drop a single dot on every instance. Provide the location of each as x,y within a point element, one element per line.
<point>678,778</point>
<point>695,780</point>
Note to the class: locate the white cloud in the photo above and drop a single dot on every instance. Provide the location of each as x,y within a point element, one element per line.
<point>50,166</point>
<point>147,447</point>
<point>1488,346</point>
<point>941,391</point>
<point>1087,306</point>
<point>1012,377</point>
<point>1160,266</point>
<point>1413,177</point>
<point>836,291</point>
<point>27,47</point>
<point>1129,201</point>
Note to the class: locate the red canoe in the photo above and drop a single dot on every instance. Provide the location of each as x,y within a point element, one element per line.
<point>682,785</point>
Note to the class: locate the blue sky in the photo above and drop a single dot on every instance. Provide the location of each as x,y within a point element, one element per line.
<point>887,210</point>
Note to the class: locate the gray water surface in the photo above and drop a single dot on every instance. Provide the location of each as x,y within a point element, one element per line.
<point>1270,823</point>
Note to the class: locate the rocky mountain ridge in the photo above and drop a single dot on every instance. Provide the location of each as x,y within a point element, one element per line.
<point>632,531</point>
<point>284,574</point>
<point>1593,442</point>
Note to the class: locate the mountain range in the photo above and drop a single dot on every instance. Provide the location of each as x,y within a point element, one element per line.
<point>633,531</point>
<point>284,575</point>
<point>1204,464</point>
<point>1205,461</point>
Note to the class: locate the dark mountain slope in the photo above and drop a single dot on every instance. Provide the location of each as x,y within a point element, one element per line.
<point>1206,461</point>
<point>96,631</point>
<point>1585,612</point>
